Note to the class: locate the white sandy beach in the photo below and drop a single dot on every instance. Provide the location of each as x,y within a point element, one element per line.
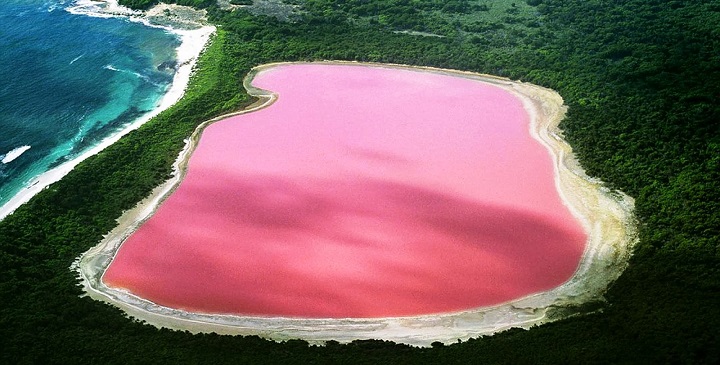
<point>606,217</point>
<point>192,43</point>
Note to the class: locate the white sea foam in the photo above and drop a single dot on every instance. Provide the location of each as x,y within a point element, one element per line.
<point>138,75</point>
<point>13,154</point>
<point>77,58</point>
<point>111,9</point>
<point>101,9</point>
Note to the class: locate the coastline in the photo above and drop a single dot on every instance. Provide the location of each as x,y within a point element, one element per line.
<point>192,42</point>
<point>606,217</point>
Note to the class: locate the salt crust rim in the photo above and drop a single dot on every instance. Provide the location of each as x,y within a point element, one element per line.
<point>607,217</point>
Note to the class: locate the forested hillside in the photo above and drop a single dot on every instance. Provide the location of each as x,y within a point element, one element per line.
<point>642,82</point>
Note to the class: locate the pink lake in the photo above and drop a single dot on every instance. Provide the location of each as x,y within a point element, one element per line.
<point>361,192</point>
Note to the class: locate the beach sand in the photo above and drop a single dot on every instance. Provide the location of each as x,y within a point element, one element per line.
<point>193,41</point>
<point>606,216</point>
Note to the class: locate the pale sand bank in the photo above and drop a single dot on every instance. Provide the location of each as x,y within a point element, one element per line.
<point>192,42</point>
<point>606,217</point>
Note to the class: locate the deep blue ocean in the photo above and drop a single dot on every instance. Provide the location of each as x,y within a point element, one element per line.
<point>67,81</point>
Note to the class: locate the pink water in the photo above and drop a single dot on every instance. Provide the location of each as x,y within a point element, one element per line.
<point>361,192</point>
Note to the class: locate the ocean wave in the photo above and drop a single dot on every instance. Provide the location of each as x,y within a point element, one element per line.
<point>100,9</point>
<point>51,6</point>
<point>111,9</point>
<point>137,74</point>
<point>77,58</point>
<point>13,154</point>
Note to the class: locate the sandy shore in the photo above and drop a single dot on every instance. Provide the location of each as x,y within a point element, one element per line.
<point>193,41</point>
<point>606,217</point>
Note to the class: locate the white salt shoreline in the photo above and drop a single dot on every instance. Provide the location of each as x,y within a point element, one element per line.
<point>191,45</point>
<point>606,217</point>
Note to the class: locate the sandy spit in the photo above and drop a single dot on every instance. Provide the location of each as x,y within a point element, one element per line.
<point>606,216</point>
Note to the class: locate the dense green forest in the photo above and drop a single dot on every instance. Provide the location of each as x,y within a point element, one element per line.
<point>642,82</point>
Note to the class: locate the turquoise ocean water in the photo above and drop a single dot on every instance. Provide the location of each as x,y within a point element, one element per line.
<point>67,81</point>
